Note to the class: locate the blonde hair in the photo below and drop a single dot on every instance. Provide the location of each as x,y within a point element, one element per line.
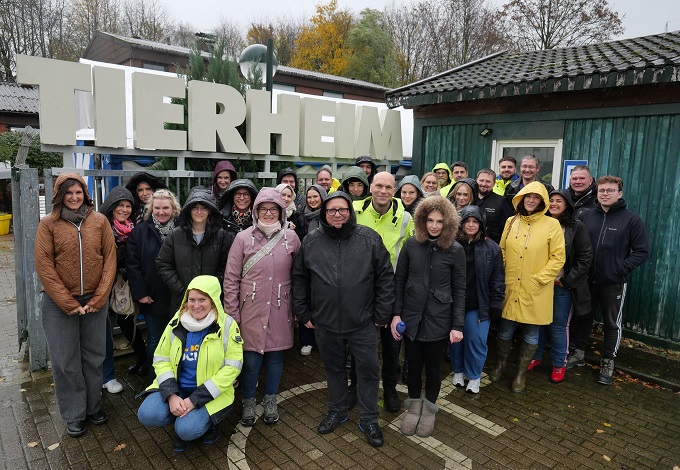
<point>162,194</point>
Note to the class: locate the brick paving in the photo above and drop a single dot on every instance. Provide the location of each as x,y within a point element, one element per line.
<point>577,424</point>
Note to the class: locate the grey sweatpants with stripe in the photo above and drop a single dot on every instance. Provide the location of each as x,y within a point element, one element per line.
<point>77,346</point>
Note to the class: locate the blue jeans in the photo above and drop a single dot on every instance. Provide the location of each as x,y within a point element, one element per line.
<point>155,325</point>
<point>273,368</point>
<point>558,329</point>
<point>469,355</point>
<point>155,413</point>
<point>506,329</point>
<point>109,370</point>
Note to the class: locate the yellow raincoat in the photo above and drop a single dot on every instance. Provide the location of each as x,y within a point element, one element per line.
<point>533,253</point>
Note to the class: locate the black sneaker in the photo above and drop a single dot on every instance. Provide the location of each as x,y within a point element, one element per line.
<point>374,434</point>
<point>391,400</point>
<point>98,418</point>
<point>211,435</point>
<point>75,429</point>
<point>178,445</point>
<point>606,372</point>
<point>331,422</point>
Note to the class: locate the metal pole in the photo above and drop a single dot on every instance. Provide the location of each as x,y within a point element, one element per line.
<point>270,65</point>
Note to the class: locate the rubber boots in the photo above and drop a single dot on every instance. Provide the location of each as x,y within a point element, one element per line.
<point>526,353</point>
<point>427,416</point>
<point>414,407</point>
<point>504,346</point>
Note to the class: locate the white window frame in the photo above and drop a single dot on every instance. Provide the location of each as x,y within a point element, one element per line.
<point>499,145</point>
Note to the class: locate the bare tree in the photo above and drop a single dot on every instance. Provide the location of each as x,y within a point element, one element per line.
<point>232,35</point>
<point>547,24</point>
<point>181,34</point>
<point>146,19</point>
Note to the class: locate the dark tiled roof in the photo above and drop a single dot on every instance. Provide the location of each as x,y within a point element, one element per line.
<point>18,99</point>
<point>644,60</point>
<point>178,50</point>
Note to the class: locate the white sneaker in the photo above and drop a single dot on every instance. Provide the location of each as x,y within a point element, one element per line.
<point>459,379</point>
<point>306,350</point>
<point>473,386</point>
<point>113,386</point>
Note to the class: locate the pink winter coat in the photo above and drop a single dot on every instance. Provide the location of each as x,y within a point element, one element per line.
<point>262,301</point>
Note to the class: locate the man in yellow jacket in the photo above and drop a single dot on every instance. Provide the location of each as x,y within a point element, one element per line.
<point>197,360</point>
<point>386,215</point>
<point>444,178</point>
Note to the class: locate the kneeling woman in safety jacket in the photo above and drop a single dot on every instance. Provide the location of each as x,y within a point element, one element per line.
<point>197,360</point>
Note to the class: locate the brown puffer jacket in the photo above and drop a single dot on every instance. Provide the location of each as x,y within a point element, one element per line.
<point>59,256</point>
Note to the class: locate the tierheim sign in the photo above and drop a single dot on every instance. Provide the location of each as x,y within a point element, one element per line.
<point>302,126</point>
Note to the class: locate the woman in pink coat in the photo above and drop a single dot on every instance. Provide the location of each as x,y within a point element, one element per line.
<point>258,295</point>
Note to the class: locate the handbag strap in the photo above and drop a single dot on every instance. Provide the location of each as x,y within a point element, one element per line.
<point>264,251</point>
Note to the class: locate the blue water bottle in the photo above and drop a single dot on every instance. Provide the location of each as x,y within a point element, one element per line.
<point>401,327</point>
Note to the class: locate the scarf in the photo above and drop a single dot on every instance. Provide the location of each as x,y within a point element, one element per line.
<point>269,229</point>
<point>193,325</point>
<point>163,230</point>
<point>121,230</point>
<point>241,218</point>
<point>76,216</point>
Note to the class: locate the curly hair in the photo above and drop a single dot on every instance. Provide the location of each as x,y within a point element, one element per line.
<point>451,220</point>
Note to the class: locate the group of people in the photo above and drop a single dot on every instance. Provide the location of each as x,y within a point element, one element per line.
<point>430,262</point>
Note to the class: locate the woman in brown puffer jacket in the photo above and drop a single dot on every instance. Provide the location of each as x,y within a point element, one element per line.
<point>75,258</point>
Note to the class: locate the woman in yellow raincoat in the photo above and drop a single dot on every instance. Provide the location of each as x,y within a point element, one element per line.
<point>533,252</point>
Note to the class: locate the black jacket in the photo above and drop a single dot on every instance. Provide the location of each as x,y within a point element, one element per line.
<point>579,257</point>
<point>226,205</point>
<point>180,259</point>
<point>586,200</point>
<point>143,246</point>
<point>489,270</point>
<point>116,195</point>
<point>342,278</point>
<point>620,242</point>
<point>514,188</point>
<point>493,214</point>
<point>430,285</point>
<point>142,177</point>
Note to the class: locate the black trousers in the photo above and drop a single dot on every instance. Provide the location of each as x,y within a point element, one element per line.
<point>610,299</point>
<point>427,355</point>
<point>390,360</point>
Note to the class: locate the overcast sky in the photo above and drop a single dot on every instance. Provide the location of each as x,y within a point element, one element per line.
<point>642,17</point>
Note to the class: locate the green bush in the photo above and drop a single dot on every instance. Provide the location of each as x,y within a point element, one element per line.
<point>9,146</point>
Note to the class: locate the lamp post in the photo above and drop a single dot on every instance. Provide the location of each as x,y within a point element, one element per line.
<point>259,57</point>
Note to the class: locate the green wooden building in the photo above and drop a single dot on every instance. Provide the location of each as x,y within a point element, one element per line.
<point>615,105</point>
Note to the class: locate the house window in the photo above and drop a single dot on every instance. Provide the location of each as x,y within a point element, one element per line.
<point>153,66</point>
<point>333,94</point>
<point>548,151</point>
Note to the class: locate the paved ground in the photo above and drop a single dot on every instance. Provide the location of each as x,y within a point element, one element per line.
<point>577,424</point>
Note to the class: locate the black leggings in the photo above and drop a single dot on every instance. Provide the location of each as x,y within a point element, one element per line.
<point>428,354</point>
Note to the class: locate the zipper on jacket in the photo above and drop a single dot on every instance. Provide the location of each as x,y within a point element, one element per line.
<point>252,297</point>
<point>80,253</point>
<point>278,300</point>
<point>600,240</point>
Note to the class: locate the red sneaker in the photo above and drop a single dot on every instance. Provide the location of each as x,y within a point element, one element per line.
<point>534,363</point>
<point>557,375</point>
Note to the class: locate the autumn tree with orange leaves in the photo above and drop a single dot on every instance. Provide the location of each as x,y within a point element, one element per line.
<point>321,45</point>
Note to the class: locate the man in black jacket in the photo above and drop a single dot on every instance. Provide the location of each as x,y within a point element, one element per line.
<point>582,188</point>
<point>529,169</point>
<point>620,244</point>
<point>494,208</point>
<point>343,286</point>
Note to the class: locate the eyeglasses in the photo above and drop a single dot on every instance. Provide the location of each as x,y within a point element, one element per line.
<point>342,211</point>
<point>607,191</point>
<point>241,195</point>
<point>264,210</point>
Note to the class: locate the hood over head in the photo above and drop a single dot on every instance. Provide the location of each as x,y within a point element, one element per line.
<point>319,189</point>
<point>287,171</point>
<point>533,187</point>
<point>472,211</point>
<point>570,211</point>
<point>366,159</point>
<point>57,199</point>
<point>117,194</point>
<point>211,286</point>
<point>144,177</point>
<point>443,166</point>
<point>468,181</point>
<point>198,195</point>
<point>409,179</point>
<point>270,195</point>
<point>451,220</point>
<point>222,165</point>
<point>227,199</point>
<point>351,223</point>
<point>354,173</point>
